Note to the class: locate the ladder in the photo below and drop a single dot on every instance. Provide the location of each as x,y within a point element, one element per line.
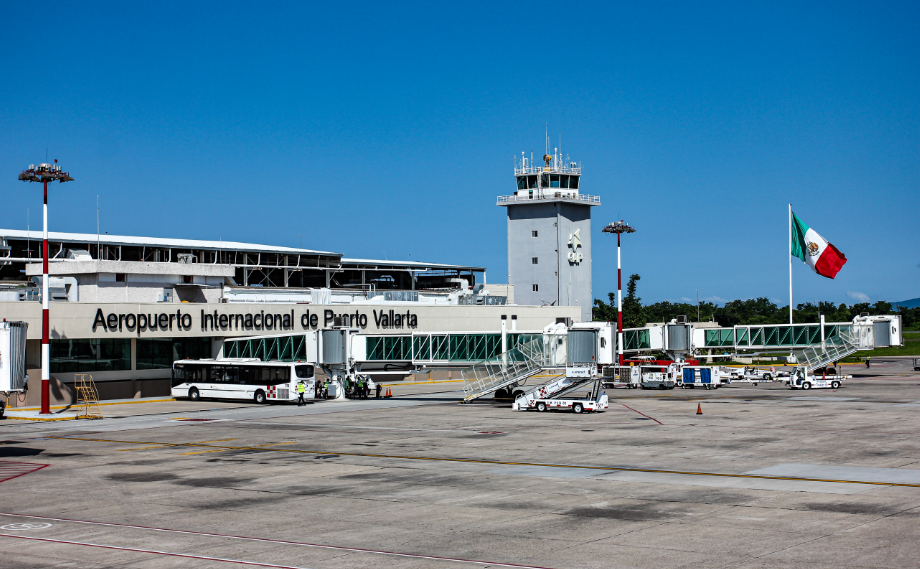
<point>507,368</point>
<point>87,397</point>
<point>829,351</point>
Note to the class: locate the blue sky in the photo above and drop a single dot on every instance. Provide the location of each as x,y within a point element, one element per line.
<point>388,129</point>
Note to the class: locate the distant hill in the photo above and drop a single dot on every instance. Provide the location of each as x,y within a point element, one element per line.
<point>912,303</point>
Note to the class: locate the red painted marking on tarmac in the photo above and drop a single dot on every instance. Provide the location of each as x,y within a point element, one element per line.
<point>153,551</point>
<point>10,470</point>
<point>643,414</point>
<point>260,540</point>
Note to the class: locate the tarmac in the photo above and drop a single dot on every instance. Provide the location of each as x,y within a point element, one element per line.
<point>765,477</point>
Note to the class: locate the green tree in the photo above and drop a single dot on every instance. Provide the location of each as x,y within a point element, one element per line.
<point>633,313</point>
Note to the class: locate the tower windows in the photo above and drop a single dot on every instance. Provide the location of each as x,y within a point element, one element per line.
<point>533,260</point>
<point>536,288</point>
<point>533,233</point>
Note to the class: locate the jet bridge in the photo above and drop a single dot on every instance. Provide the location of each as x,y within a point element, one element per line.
<point>815,345</point>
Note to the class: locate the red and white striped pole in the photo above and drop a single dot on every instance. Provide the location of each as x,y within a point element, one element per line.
<point>46,328</point>
<point>619,304</point>
<point>619,227</point>
<point>45,173</point>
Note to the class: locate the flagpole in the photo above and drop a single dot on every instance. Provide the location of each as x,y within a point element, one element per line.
<point>789,253</point>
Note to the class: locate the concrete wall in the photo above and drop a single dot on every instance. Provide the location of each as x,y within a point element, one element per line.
<point>559,280</point>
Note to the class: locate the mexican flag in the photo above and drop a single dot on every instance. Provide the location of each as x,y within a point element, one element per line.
<point>814,250</point>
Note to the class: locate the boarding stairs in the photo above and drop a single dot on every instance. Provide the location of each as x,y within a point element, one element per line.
<point>508,368</point>
<point>829,351</point>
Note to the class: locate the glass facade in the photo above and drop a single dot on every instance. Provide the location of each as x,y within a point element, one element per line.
<point>77,356</point>
<point>285,349</point>
<point>160,353</point>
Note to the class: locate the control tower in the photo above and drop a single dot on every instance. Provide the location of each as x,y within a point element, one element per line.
<point>549,234</point>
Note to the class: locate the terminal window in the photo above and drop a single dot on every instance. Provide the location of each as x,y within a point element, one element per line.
<point>82,355</point>
<point>533,260</point>
<point>160,353</point>
<point>536,288</point>
<point>533,233</point>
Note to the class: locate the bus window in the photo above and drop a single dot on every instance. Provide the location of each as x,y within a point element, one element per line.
<point>303,371</point>
<point>280,375</point>
<point>249,375</point>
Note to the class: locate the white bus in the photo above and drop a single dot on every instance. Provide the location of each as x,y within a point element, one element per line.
<point>250,379</point>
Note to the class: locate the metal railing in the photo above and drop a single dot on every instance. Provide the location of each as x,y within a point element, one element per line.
<point>833,349</point>
<point>552,194</point>
<point>541,168</point>
<point>515,365</point>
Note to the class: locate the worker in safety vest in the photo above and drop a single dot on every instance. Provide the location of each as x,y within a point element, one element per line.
<point>301,391</point>
<point>867,362</point>
<point>326,389</point>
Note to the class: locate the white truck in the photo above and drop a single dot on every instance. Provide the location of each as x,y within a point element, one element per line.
<point>802,378</point>
<point>13,378</point>
<point>554,395</point>
<point>660,377</point>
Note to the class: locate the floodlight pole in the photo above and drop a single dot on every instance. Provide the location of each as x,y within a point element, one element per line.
<point>45,173</point>
<point>46,321</point>
<point>619,228</point>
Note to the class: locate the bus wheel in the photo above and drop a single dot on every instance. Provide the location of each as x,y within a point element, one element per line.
<point>260,397</point>
<point>578,408</point>
<point>193,394</point>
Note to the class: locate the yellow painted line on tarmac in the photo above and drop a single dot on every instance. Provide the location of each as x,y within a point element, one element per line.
<point>418,382</point>
<point>224,450</point>
<point>167,445</point>
<point>500,462</point>
<point>100,404</point>
<point>15,418</point>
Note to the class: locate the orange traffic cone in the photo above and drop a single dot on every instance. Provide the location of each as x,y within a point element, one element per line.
<point>699,408</point>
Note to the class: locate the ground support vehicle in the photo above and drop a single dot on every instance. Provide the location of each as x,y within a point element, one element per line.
<point>751,374</point>
<point>13,378</point>
<point>700,376</point>
<point>621,376</point>
<point>804,379</point>
<point>659,377</point>
<point>593,401</point>
<point>916,364</point>
<point>243,379</point>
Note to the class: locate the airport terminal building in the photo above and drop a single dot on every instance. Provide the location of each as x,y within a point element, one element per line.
<point>123,308</point>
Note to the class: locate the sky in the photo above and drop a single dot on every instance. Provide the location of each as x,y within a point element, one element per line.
<point>386,130</point>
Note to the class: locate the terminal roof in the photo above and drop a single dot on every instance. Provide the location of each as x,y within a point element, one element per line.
<point>377,263</point>
<point>106,239</point>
